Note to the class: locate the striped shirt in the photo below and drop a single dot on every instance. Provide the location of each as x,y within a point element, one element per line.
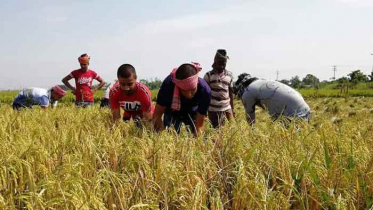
<point>219,84</point>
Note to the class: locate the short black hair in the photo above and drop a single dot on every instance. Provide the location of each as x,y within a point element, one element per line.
<point>83,55</point>
<point>126,70</point>
<point>186,70</point>
<point>241,77</point>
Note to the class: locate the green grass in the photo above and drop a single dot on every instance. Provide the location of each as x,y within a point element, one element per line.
<point>329,90</point>
<point>320,93</point>
<point>68,158</point>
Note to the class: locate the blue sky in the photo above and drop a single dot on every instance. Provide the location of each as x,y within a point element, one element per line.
<point>41,40</point>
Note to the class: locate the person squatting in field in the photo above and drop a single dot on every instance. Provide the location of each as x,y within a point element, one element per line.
<point>105,103</point>
<point>83,82</point>
<point>29,97</point>
<point>183,98</point>
<point>132,96</point>
<point>220,81</point>
<point>278,98</point>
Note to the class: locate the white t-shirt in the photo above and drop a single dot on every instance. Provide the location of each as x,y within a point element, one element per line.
<point>35,96</point>
<point>107,91</point>
<point>277,97</point>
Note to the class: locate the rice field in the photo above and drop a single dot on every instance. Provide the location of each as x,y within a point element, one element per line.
<point>70,158</point>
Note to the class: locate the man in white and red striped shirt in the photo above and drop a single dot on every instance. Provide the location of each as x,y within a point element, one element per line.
<point>220,81</point>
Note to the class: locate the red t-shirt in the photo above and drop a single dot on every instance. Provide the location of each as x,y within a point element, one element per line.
<point>133,105</point>
<point>83,84</point>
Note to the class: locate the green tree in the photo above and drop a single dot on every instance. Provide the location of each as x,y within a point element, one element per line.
<point>152,84</point>
<point>357,76</point>
<point>342,80</point>
<point>295,82</point>
<point>285,81</point>
<point>310,80</point>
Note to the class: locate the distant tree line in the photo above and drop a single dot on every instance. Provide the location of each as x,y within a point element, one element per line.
<point>153,84</point>
<point>310,80</point>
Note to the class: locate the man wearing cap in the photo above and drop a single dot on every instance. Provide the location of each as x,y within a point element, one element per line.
<point>29,97</point>
<point>183,98</point>
<point>83,82</point>
<point>220,81</point>
<point>276,97</point>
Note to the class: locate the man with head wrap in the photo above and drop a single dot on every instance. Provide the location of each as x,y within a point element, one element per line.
<point>276,97</point>
<point>83,82</point>
<point>183,98</point>
<point>220,81</point>
<point>29,97</point>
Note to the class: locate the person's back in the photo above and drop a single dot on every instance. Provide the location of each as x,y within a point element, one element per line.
<point>277,97</point>
<point>29,97</point>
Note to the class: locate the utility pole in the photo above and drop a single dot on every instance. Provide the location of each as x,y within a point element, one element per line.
<point>277,73</point>
<point>372,66</point>
<point>334,69</point>
<point>371,74</point>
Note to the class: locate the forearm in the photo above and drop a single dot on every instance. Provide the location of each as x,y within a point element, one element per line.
<point>70,86</point>
<point>158,124</point>
<point>200,124</point>
<point>66,82</point>
<point>157,118</point>
<point>116,115</point>
<point>231,101</point>
<point>199,130</point>
<point>99,86</point>
<point>147,116</point>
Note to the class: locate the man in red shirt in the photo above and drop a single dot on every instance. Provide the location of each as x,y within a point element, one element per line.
<point>133,97</point>
<point>83,82</point>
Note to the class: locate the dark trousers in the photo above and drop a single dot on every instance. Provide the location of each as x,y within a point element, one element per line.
<point>217,119</point>
<point>105,103</point>
<point>17,106</point>
<point>84,104</point>
<point>175,119</point>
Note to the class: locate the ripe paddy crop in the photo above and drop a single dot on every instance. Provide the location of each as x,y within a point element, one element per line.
<point>70,158</point>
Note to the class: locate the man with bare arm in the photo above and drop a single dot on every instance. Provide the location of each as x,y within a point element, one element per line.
<point>83,82</point>
<point>183,98</point>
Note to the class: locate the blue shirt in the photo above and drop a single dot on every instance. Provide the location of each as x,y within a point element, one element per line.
<point>200,101</point>
<point>34,96</point>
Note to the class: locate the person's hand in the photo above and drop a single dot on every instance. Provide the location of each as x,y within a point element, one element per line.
<point>73,91</point>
